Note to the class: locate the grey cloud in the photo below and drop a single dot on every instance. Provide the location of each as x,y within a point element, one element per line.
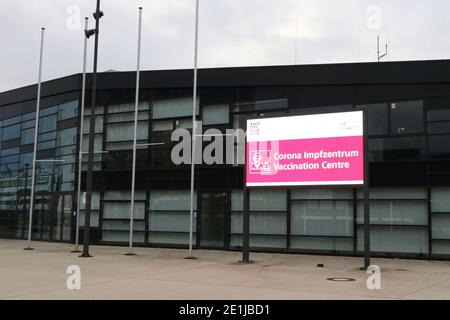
<point>232,33</point>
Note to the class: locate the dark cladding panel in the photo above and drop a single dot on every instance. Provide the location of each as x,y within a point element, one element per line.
<point>398,174</point>
<point>385,93</point>
<point>313,96</point>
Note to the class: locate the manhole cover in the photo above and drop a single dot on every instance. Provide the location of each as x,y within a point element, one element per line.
<point>341,279</point>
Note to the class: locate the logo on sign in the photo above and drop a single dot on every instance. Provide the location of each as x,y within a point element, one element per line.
<point>260,162</point>
<point>254,128</point>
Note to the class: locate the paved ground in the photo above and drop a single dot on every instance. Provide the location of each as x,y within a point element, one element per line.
<point>164,274</point>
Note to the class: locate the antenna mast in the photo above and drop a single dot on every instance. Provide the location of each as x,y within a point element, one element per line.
<point>378,50</point>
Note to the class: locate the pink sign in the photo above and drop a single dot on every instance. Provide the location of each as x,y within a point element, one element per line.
<point>326,149</point>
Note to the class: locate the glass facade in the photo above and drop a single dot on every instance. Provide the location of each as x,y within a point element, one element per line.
<point>409,170</point>
<point>53,205</point>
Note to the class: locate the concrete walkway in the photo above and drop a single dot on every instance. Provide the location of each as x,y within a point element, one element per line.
<point>164,274</point>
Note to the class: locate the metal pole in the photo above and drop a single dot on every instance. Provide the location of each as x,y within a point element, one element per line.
<point>80,154</point>
<point>25,198</point>
<point>366,193</point>
<point>136,107</point>
<point>36,128</point>
<point>378,48</point>
<point>97,15</point>
<point>194,127</point>
<point>246,228</point>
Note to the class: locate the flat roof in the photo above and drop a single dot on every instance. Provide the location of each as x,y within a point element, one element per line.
<point>366,73</point>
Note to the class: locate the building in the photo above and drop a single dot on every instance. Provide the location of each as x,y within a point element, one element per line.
<point>409,134</point>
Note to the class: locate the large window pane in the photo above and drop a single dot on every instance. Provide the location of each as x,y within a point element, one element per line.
<point>396,239</point>
<point>326,194</point>
<point>439,109</point>
<point>395,193</point>
<point>322,218</point>
<point>125,131</point>
<point>268,200</point>
<point>237,200</point>
<point>216,114</point>
<point>98,124</point>
<point>173,108</point>
<point>124,195</point>
<point>407,117</point>
<point>169,221</point>
<point>95,201</point>
<point>27,136</point>
<point>67,137</point>
<point>47,124</point>
<point>440,226</point>
<point>439,127</point>
<point>68,110</point>
<point>440,200</point>
<point>439,146</point>
<point>378,118</point>
<point>11,132</point>
<point>396,212</point>
<point>323,244</point>
<point>170,200</point>
<point>119,210</point>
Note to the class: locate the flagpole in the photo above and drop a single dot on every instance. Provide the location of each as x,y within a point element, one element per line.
<point>36,127</point>
<point>80,152</point>
<point>194,127</point>
<point>136,111</point>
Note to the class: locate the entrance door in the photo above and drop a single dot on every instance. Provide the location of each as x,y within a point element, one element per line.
<point>212,219</point>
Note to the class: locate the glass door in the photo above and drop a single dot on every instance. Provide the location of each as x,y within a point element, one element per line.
<point>212,219</point>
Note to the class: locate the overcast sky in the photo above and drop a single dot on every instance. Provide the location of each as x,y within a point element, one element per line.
<point>232,33</point>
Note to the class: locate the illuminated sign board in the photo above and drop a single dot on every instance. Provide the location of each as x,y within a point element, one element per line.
<point>310,150</point>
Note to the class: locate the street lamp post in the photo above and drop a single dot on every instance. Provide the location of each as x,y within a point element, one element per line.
<point>194,131</point>
<point>36,131</point>
<point>80,151</point>
<point>27,167</point>
<point>97,15</point>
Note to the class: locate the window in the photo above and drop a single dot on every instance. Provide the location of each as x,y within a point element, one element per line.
<point>95,207</point>
<point>169,217</point>
<point>11,121</point>
<point>439,109</point>
<point>318,216</point>
<point>98,124</point>
<point>67,137</point>
<point>11,132</point>
<point>395,239</point>
<point>267,218</point>
<point>27,136</point>
<point>68,110</point>
<point>439,127</point>
<point>406,117</point>
<point>173,108</point>
<point>47,136</point>
<point>399,218</point>
<point>440,200</point>
<point>48,111</point>
<point>439,146</point>
<point>47,124</point>
<point>125,131</point>
<point>216,114</point>
<point>377,117</point>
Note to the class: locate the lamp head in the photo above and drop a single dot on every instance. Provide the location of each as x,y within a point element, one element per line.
<point>89,33</point>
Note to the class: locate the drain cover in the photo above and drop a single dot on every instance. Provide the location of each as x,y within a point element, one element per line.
<point>340,279</point>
